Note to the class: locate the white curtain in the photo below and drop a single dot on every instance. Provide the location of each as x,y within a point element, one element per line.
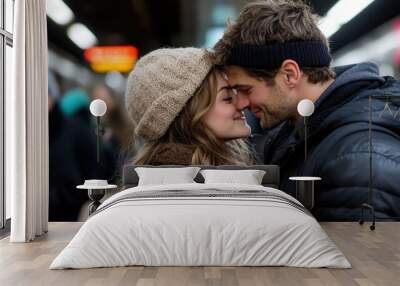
<point>27,124</point>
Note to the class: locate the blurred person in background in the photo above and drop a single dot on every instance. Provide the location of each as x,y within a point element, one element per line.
<point>72,158</point>
<point>74,105</point>
<point>184,110</point>
<point>118,137</point>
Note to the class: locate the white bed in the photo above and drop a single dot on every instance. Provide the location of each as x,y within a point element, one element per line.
<point>223,225</point>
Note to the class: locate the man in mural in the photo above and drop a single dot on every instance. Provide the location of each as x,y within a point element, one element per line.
<point>275,56</point>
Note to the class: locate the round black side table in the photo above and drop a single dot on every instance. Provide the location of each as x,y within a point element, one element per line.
<point>305,187</point>
<point>95,193</point>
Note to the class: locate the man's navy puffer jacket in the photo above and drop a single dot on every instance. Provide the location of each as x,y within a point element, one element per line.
<point>338,146</point>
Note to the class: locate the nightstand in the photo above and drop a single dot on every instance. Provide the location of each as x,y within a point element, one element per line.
<point>95,194</point>
<point>305,187</point>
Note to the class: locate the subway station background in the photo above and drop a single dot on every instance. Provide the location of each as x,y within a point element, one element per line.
<point>94,44</point>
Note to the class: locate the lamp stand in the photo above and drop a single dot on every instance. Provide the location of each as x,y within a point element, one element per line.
<point>305,138</point>
<point>98,133</point>
<point>369,205</point>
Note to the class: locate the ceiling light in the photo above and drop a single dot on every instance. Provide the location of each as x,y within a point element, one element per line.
<point>341,13</point>
<point>81,36</point>
<point>59,12</point>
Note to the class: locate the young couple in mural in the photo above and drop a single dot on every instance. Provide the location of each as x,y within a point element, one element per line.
<point>193,106</point>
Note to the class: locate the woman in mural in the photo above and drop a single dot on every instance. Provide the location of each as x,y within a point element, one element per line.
<point>185,111</point>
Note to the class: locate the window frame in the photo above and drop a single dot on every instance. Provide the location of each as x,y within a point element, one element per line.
<point>6,39</point>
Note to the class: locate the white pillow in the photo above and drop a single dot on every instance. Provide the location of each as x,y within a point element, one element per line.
<point>163,176</point>
<point>248,177</point>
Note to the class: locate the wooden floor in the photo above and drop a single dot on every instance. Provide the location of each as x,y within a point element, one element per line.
<point>374,255</point>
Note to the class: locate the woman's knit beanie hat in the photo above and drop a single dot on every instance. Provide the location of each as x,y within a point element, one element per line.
<point>161,84</point>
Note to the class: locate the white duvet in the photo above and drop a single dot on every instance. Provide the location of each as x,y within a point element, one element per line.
<point>183,231</point>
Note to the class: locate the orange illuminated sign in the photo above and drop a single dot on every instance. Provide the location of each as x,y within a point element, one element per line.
<point>112,58</point>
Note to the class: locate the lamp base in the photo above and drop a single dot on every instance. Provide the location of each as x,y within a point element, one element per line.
<point>371,208</point>
<point>95,196</point>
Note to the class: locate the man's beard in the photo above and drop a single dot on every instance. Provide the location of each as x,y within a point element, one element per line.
<point>281,111</point>
<point>268,120</point>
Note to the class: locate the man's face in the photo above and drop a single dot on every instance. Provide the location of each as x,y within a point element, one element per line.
<point>272,104</point>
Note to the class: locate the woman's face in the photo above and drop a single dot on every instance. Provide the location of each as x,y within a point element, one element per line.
<point>224,119</point>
